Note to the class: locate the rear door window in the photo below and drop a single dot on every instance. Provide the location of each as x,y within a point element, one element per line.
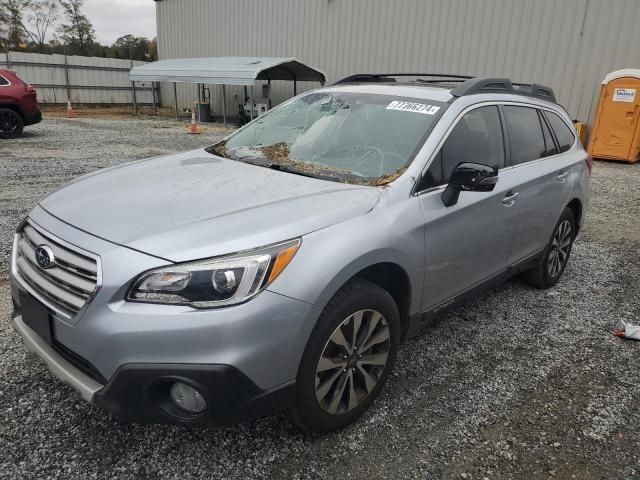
<point>564,134</point>
<point>526,140</point>
<point>476,138</point>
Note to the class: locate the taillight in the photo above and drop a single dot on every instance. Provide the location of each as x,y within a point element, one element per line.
<point>29,88</point>
<point>589,161</point>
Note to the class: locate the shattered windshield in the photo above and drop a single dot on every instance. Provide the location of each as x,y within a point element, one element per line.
<point>342,136</point>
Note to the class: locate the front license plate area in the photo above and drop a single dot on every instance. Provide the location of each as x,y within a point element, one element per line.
<point>36,316</point>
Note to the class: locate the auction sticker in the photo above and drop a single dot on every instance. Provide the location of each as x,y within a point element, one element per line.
<point>413,107</point>
<point>624,94</point>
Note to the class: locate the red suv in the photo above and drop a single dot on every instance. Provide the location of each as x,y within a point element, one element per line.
<point>18,104</point>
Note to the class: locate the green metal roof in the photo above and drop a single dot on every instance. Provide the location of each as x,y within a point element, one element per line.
<point>226,70</point>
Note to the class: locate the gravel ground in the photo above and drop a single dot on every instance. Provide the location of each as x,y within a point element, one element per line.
<point>515,383</point>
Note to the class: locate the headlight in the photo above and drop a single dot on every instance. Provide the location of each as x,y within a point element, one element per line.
<point>216,282</point>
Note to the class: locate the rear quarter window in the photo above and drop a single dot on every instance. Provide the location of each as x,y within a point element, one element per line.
<point>548,138</point>
<point>3,81</point>
<point>564,134</point>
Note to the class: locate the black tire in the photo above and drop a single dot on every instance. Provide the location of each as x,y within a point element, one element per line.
<point>354,298</point>
<point>11,123</point>
<point>544,275</point>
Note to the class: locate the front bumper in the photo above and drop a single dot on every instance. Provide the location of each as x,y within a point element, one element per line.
<point>140,392</point>
<point>116,353</point>
<point>59,366</point>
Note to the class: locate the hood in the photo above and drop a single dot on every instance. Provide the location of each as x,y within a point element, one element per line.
<point>195,205</point>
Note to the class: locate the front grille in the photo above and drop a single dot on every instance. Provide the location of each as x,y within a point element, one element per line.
<point>67,286</point>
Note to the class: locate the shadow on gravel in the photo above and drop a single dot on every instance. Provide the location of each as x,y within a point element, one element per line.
<point>27,134</point>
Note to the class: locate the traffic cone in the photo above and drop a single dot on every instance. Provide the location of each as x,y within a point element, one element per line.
<point>194,124</point>
<point>69,109</point>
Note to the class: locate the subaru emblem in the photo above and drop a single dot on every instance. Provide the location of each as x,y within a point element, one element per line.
<point>44,256</point>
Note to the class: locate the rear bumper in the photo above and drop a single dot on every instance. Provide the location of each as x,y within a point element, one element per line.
<point>33,118</point>
<point>140,392</point>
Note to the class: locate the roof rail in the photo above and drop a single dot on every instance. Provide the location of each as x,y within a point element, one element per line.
<point>390,77</point>
<point>536,90</point>
<point>468,85</point>
<point>503,85</point>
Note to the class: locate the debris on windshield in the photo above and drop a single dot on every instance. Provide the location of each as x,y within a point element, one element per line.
<point>380,181</point>
<point>315,168</point>
<point>219,149</point>
<point>277,151</point>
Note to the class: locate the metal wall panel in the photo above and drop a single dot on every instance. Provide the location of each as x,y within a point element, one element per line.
<point>47,74</point>
<point>567,44</point>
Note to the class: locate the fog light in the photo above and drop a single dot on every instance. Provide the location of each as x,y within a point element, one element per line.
<point>187,398</point>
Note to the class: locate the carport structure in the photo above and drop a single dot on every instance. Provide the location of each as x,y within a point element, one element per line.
<point>243,71</point>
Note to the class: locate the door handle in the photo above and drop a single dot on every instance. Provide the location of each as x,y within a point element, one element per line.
<point>510,199</point>
<point>562,176</point>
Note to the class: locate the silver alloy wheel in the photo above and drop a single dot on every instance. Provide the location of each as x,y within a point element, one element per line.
<point>560,247</point>
<point>352,361</point>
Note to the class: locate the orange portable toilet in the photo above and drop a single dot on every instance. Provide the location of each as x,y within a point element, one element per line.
<point>616,128</point>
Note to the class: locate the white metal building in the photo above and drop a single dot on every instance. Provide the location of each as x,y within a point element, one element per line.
<point>567,44</point>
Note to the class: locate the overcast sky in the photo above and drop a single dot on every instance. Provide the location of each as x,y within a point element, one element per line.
<point>115,18</point>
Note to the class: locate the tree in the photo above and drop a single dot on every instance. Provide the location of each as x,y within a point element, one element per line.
<point>41,17</point>
<point>132,47</point>
<point>77,32</point>
<point>12,30</point>
<point>152,53</point>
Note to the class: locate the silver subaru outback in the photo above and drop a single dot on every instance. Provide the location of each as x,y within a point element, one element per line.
<point>280,268</point>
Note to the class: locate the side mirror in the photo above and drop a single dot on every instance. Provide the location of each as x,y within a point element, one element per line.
<point>469,177</point>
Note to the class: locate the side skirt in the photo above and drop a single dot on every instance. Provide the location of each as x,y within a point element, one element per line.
<point>418,321</point>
